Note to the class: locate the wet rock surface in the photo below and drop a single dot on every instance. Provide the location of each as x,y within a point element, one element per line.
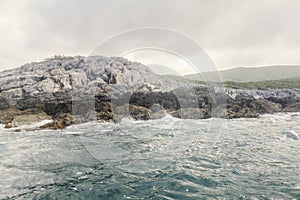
<point>77,89</point>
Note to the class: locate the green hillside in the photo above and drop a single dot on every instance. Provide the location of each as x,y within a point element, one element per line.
<point>254,74</point>
<point>282,83</point>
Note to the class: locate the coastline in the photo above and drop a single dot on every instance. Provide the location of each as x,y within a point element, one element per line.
<point>72,90</point>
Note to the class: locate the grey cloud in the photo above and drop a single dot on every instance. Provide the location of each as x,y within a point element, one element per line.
<point>234,32</point>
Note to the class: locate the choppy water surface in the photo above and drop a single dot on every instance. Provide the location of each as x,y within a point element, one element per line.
<point>160,159</point>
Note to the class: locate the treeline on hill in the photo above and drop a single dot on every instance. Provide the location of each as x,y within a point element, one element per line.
<point>291,83</point>
<point>283,83</point>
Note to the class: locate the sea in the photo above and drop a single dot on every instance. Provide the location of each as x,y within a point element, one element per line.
<point>167,158</point>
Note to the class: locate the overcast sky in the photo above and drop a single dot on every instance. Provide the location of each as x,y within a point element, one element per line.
<point>234,33</point>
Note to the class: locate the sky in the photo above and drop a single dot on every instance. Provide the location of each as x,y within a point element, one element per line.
<point>233,33</point>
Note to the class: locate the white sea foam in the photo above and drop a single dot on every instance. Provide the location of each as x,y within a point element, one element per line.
<point>25,127</point>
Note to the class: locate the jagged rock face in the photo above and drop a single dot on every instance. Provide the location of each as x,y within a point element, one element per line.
<point>33,84</point>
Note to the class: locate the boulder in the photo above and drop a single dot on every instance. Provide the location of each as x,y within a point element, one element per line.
<point>61,121</point>
<point>8,125</point>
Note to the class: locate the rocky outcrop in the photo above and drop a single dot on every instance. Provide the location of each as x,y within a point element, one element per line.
<point>14,118</point>
<point>294,107</point>
<point>77,89</point>
<point>27,118</point>
<point>51,86</point>
<point>7,115</point>
<point>61,121</point>
<point>250,107</point>
<point>284,97</point>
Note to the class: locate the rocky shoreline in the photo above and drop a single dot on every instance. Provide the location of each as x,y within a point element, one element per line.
<point>70,90</point>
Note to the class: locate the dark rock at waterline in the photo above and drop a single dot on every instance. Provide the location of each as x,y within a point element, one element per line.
<point>294,107</point>
<point>61,121</point>
<point>147,99</point>
<point>191,113</point>
<point>250,107</point>
<point>139,112</point>
<point>16,117</point>
<point>7,115</point>
<point>284,101</point>
<point>136,112</point>
<point>29,118</point>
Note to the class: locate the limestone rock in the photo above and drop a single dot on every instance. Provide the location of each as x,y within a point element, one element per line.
<point>15,118</point>
<point>61,121</point>
<point>26,119</point>
<point>42,81</point>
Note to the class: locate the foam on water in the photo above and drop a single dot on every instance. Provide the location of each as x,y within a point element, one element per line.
<point>25,127</point>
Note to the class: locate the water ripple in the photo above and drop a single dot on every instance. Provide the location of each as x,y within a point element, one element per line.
<point>248,159</point>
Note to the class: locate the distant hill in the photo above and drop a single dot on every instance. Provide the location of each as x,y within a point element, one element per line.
<point>290,83</point>
<point>253,74</point>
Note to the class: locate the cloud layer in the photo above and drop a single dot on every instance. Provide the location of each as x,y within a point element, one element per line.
<point>234,33</point>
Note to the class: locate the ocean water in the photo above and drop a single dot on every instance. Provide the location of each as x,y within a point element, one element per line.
<point>160,159</point>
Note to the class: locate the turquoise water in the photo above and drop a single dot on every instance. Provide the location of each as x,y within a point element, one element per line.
<point>161,159</point>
